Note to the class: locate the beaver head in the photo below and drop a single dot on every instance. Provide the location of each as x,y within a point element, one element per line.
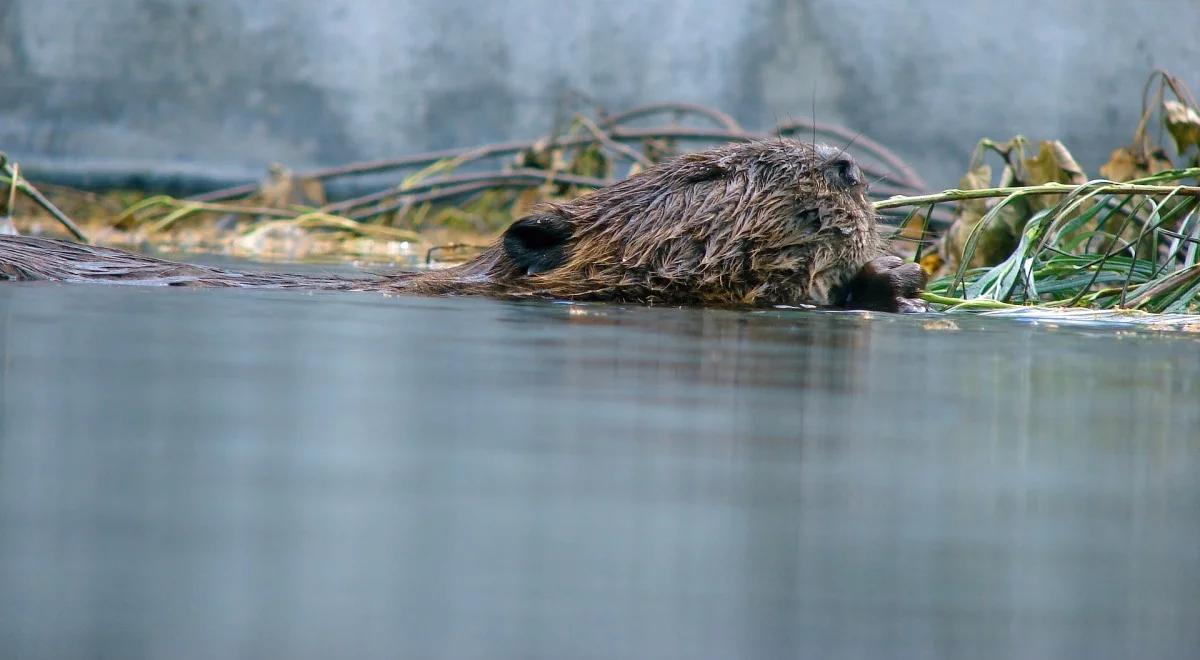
<point>758,223</point>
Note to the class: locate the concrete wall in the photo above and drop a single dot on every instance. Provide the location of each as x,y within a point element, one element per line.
<point>219,88</point>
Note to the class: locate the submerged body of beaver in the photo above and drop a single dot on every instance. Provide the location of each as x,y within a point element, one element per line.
<point>763,223</point>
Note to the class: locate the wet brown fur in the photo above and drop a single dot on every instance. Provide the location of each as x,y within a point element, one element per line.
<point>759,223</point>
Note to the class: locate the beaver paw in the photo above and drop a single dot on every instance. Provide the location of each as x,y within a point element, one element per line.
<point>887,284</point>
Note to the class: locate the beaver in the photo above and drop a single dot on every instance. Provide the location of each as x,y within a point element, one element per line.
<point>763,223</point>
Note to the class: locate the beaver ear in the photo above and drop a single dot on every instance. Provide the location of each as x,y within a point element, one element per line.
<point>537,243</point>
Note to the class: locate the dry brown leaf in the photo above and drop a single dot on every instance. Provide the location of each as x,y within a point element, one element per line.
<point>996,241</point>
<point>914,227</point>
<point>1053,164</point>
<point>1183,122</point>
<point>1121,165</point>
<point>932,263</point>
<point>1125,165</point>
<point>967,216</point>
<point>975,179</point>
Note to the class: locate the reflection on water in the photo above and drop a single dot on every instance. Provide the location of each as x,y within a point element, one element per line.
<point>211,474</point>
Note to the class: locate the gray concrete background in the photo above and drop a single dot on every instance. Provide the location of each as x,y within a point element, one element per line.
<point>220,88</point>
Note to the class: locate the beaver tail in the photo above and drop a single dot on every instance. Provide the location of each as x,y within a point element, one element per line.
<point>26,258</point>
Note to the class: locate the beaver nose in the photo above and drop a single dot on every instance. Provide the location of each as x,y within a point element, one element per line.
<point>844,173</point>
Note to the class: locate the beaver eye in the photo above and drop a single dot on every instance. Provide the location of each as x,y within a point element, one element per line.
<point>843,173</point>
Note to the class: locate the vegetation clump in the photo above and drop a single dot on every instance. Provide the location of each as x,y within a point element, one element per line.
<point>1048,235</point>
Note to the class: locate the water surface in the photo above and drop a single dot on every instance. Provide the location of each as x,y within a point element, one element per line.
<point>221,474</point>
